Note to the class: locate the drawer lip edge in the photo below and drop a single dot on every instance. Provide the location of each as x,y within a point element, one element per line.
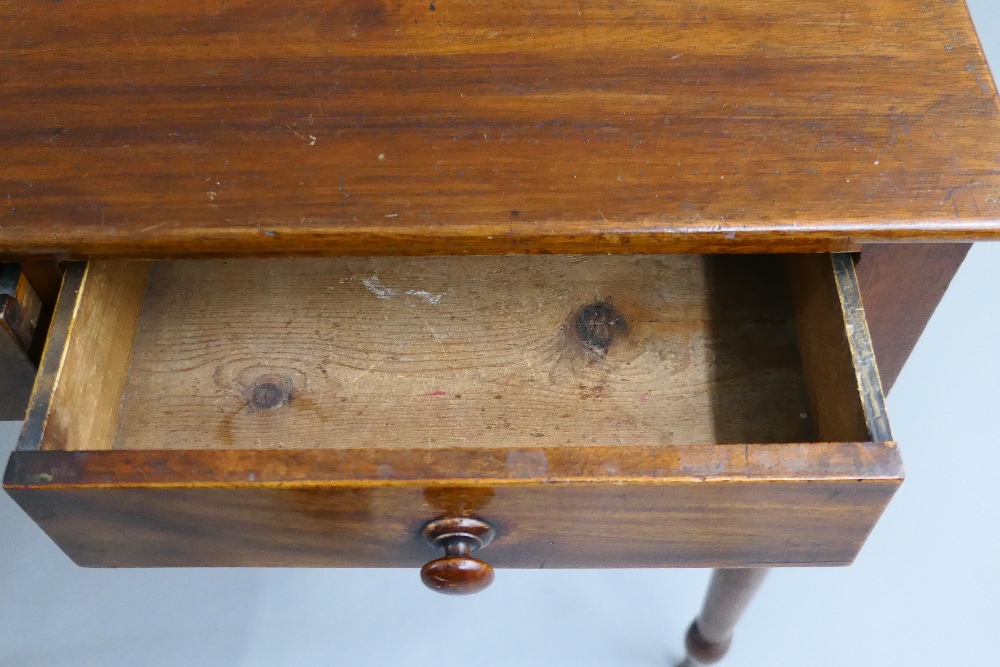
<point>628,465</point>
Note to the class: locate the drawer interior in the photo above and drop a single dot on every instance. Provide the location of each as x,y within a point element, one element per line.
<point>513,352</point>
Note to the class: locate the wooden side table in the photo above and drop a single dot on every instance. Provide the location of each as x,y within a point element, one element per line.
<point>462,285</point>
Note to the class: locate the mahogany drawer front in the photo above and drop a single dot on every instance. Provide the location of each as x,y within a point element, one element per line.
<point>653,411</point>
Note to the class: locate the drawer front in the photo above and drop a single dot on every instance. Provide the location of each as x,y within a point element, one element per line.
<point>691,506</point>
<point>775,348</point>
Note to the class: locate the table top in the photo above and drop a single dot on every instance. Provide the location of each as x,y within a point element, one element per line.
<point>183,127</point>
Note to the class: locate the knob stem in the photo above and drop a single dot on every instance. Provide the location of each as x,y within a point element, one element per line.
<point>459,546</point>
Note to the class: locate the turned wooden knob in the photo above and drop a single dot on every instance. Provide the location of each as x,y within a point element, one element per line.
<point>457,573</point>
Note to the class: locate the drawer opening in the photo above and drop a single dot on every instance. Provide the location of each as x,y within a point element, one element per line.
<point>457,352</point>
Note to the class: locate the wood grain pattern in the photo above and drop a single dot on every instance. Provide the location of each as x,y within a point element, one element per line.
<point>845,393</point>
<point>178,127</point>
<point>80,381</point>
<point>349,499</point>
<point>691,506</point>
<point>466,351</point>
<point>902,286</point>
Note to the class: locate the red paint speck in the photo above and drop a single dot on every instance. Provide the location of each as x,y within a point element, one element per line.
<point>437,392</point>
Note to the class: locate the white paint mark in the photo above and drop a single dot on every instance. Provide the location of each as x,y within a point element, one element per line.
<point>381,156</point>
<point>425,295</point>
<point>211,195</point>
<point>392,215</point>
<point>376,287</point>
<point>876,161</point>
<point>312,141</point>
<point>382,291</point>
<point>675,57</point>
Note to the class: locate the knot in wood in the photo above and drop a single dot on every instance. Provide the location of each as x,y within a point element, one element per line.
<point>597,324</point>
<point>267,395</point>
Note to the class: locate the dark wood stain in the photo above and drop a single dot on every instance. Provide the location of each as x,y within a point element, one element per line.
<point>901,286</point>
<point>364,127</point>
<point>692,506</point>
<point>457,572</point>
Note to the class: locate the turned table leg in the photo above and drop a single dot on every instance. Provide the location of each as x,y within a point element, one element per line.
<point>729,594</point>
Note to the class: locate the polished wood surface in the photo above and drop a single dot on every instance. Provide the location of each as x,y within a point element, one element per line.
<point>457,572</point>
<point>901,286</point>
<point>730,592</point>
<point>470,351</point>
<point>176,127</point>
<point>691,506</point>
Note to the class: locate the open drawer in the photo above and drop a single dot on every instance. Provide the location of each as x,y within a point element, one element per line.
<point>598,411</point>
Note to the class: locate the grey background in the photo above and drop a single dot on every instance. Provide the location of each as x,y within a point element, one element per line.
<point>924,590</point>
